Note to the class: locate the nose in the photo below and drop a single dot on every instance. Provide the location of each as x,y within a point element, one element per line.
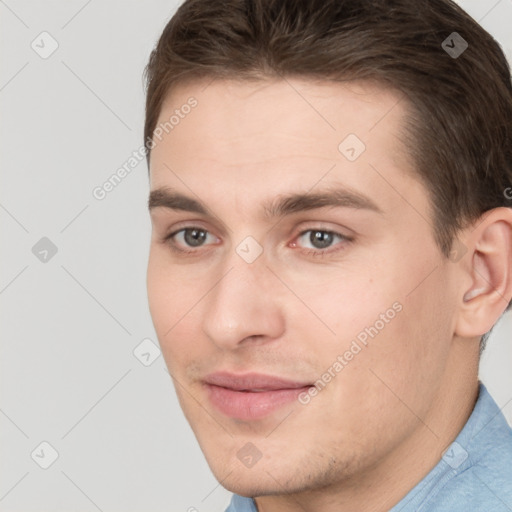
<point>244,305</point>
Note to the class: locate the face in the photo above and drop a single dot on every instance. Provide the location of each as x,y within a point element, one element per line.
<point>296,289</point>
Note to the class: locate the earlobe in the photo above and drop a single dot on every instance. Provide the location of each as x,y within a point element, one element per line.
<point>490,273</point>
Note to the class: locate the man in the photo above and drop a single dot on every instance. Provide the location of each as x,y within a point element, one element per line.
<point>332,243</point>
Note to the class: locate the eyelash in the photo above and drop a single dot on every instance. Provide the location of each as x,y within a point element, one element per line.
<point>318,253</point>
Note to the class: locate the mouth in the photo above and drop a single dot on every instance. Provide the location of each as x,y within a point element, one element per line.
<point>251,396</point>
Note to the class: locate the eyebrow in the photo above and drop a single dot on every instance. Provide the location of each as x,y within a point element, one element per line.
<point>276,207</point>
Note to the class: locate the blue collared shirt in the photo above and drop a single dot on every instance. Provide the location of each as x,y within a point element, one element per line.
<point>473,475</point>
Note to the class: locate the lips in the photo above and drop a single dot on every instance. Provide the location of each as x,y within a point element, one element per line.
<point>251,396</point>
<point>252,382</point>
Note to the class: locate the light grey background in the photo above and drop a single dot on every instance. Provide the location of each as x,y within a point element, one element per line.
<point>69,375</point>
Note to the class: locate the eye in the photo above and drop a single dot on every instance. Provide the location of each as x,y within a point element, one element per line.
<point>321,239</point>
<point>188,237</point>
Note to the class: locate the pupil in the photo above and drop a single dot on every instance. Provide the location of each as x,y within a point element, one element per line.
<point>321,239</point>
<point>195,237</point>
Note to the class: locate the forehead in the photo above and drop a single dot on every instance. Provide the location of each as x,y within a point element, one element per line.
<point>243,115</point>
<point>292,129</point>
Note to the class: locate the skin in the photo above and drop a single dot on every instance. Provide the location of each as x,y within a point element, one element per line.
<point>381,424</point>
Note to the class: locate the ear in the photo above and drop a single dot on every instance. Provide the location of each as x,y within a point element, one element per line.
<point>487,267</point>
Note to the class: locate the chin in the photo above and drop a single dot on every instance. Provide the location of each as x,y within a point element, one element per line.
<point>251,487</point>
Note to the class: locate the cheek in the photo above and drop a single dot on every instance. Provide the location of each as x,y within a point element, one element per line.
<point>403,363</point>
<point>396,372</point>
<point>394,336</point>
<point>171,300</point>
<point>160,301</point>
<point>346,305</point>
<point>172,289</point>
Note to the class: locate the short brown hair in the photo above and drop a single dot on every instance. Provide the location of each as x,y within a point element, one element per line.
<point>459,122</point>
